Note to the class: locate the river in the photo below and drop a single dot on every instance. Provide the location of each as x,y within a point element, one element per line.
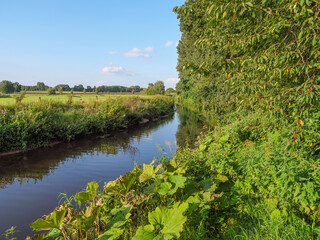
<point>30,182</point>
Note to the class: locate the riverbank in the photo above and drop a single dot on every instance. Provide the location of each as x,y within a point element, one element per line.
<point>38,124</point>
<point>245,178</point>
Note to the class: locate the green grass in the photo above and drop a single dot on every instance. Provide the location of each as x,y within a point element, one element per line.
<point>32,97</point>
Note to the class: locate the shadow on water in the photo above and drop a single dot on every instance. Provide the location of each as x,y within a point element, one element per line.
<point>190,126</point>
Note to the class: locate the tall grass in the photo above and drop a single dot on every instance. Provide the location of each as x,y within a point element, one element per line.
<point>39,123</point>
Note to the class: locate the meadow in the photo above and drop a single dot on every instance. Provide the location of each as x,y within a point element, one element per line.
<point>36,96</point>
<point>38,120</point>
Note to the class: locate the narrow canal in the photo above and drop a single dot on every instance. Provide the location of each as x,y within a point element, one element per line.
<point>30,183</point>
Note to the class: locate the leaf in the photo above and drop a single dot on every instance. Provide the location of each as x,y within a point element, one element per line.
<point>224,139</point>
<point>41,224</point>
<point>145,233</point>
<point>178,180</point>
<point>170,220</point>
<point>54,233</point>
<point>52,221</point>
<point>121,215</point>
<point>149,172</point>
<point>82,197</point>
<point>111,234</point>
<point>222,178</point>
<point>164,188</point>
<point>174,224</point>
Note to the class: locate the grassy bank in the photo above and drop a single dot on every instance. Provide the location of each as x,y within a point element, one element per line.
<point>39,123</point>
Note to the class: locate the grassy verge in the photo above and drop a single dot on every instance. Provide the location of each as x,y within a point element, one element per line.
<point>36,124</point>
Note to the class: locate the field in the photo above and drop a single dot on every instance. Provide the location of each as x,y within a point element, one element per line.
<point>77,97</point>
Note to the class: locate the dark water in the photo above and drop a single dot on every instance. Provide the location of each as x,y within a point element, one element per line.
<point>30,183</point>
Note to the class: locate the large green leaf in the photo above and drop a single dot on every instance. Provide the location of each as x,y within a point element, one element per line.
<point>164,188</point>
<point>145,233</point>
<point>52,221</point>
<point>169,220</point>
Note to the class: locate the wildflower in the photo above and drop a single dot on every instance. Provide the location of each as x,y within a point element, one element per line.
<point>204,127</point>
<point>301,123</point>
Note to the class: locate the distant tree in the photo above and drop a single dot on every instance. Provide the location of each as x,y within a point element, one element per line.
<point>17,87</point>
<point>78,88</point>
<point>51,91</point>
<point>89,89</point>
<point>60,90</point>
<point>150,90</point>
<point>6,87</point>
<point>169,91</point>
<point>159,87</point>
<point>65,87</point>
<point>41,86</point>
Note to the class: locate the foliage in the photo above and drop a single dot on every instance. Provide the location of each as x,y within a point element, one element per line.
<point>37,124</point>
<point>170,91</point>
<point>6,87</point>
<point>156,88</point>
<point>240,55</point>
<point>159,201</point>
<point>20,97</point>
<point>51,91</point>
<point>159,87</point>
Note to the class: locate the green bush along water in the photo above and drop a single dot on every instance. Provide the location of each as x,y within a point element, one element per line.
<point>28,125</point>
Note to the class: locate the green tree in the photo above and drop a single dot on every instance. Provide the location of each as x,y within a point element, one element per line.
<point>51,91</point>
<point>6,87</point>
<point>159,87</point>
<point>17,87</point>
<point>41,86</point>
<point>60,89</point>
<point>170,91</point>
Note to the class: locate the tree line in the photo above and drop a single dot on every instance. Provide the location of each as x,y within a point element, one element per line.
<point>8,87</point>
<point>158,87</point>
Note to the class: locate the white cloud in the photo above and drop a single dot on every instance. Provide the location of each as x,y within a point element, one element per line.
<point>113,52</point>
<point>116,71</point>
<point>173,80</point>
<point>136,52</point>
<point>169,44</point>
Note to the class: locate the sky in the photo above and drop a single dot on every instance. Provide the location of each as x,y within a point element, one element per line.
<point>96,42</point>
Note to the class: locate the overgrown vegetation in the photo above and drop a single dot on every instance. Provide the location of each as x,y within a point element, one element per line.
<point>39,124</point>
<point>255,65</point>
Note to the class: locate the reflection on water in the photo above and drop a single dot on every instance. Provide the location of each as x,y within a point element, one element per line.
<point>190,126</point>
<point>30,182</point>
<point>41,162</point>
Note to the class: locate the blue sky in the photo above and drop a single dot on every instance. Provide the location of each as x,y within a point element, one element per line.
<point>97,42</point>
